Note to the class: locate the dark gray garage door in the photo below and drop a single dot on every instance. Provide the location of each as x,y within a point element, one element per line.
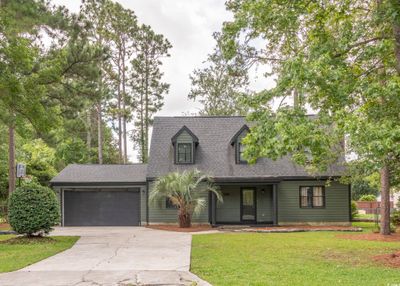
<point>102,207</point>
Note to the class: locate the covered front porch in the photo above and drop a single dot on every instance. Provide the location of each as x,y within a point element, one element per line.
<point>245,204</point>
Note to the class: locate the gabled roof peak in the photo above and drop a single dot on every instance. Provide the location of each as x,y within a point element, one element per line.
<point>237,134</point>
<point>185,128</point>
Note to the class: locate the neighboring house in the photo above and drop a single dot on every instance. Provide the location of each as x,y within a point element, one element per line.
<point>267,192</point>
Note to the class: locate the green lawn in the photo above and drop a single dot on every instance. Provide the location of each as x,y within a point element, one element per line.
<point>365,216</point>
<point>366,226</point>
<point>22,253</point>
<point>314,258</point>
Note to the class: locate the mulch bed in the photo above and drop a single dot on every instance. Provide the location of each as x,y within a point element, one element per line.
<point>394,237</point>
<point>302,228</point>
<point>4,226</point>
<point>194,228</point>
<point>391,260</point>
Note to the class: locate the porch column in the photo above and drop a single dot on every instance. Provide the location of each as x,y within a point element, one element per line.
<point>213,209</point>
<point>275,204</point>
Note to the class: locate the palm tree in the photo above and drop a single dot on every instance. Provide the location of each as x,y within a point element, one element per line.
<point>185,190</point>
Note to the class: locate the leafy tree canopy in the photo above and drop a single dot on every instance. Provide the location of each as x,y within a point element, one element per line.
<point>222,86</point>
<point>339,58</point>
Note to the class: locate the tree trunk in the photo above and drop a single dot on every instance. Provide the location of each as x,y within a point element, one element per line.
<point>119,120</point>
<point>146,115</point>
<point>100,133</point>
<point>385,201</point>
<point>124,107</point>
<point>11,158</point>
<point>141,128</point>
<point>396,33</point>
<point>295,98</point>
<point>185,220</point>
<point>89,131</point>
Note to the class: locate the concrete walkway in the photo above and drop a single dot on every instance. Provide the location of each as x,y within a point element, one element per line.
<point>113,256</point>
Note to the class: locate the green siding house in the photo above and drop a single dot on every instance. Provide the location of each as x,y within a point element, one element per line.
<point>267,192</point>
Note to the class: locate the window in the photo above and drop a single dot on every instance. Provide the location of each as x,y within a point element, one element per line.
<point>239,147</point>
<point>169,204</point>
<point>312,197</point>
<point>184,153</point>
<point>240,151</point>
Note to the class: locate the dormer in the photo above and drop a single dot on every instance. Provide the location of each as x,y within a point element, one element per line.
<point>185,143</point>
<point>236,141</point>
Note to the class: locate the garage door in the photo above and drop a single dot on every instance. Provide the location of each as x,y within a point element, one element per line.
<point>102,207</point>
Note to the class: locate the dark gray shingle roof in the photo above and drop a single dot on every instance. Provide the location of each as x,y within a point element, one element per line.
<point>214,154</point>
<point>91,173</point>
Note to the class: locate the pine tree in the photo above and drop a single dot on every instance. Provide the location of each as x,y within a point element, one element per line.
<point>122,34</point>
<point>146,84</point>
<point>94,13</point>
<point>33,77</point>
<point>220,86</point>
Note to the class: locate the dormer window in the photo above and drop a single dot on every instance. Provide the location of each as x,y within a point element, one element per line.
<point>185,143</point>
<point>184,153</point>
<point>236,141</point>
<point>240,153</point>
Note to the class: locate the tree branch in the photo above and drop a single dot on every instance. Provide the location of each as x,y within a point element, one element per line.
<point>355,45</point>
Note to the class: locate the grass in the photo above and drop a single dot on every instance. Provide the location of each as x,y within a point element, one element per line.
<point>17,252</point>
<point>366,226</point>
<point>314,258</point>
<point>365,216</point>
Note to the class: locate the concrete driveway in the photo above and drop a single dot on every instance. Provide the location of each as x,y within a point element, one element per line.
<point>113,256</point>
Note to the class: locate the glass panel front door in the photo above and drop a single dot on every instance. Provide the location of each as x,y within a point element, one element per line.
<point>248,205</point>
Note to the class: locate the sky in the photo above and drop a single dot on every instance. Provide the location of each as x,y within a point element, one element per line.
<point>188,25</point>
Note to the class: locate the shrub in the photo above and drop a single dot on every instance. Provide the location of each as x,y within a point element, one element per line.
<point>368,198</point>
<point>354,210</point>
<point>360,188</point>
<point>33,210</point>
<point>395,217</point>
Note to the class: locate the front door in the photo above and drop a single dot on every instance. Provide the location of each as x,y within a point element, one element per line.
<point>248,205</point>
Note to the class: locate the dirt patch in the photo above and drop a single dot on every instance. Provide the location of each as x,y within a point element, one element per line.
<point>391,260</point>
<point>194,228</point>
<point>394,237</point>
<point>29,240</point>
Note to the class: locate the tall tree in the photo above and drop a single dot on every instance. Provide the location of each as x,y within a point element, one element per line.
<point>221,86</point>
<point>122,33</point>
<point>95,14</point>
<point>344,63</point>
<point>31,74</point>
<point>146,84</point>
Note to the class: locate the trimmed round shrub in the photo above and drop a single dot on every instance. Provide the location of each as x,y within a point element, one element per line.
<point>368,198</point>
<point>33,210</point>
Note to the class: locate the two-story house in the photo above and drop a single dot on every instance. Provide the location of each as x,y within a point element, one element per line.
<point>267,192</point>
